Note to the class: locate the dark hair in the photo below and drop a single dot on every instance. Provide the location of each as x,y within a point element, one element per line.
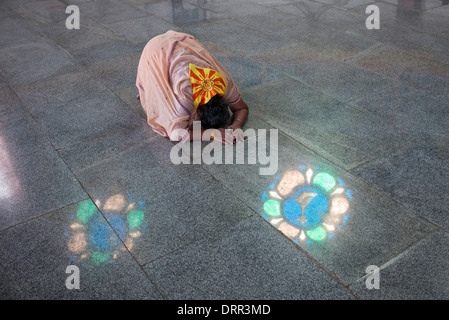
<point>215,113</point>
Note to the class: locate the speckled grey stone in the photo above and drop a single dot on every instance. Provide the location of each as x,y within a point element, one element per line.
<point>377,227</point>
<point>179,12</point>
<point>420,273</point>
<point>35,255</point>
<point>342,97</point>
<point>16,30</point>
<point>227,32</point>
<point>141,30</point>
<point>34,180</point>
<point>109,11</point>
<point>416,177</point>
<point>90,34</point>
<point>102,53</point>
<point>75,107</point>
<point>411,110</point>
<point>183,203</point>
<point>346,136</point>
<point>263,265</point>
<point>27,62</point>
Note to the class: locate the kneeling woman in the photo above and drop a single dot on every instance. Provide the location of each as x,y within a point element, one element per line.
<point>179,82</point>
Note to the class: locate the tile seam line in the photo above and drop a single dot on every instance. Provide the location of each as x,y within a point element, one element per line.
<point>81,65</point>
<point>106,159</point>
<point>43,214</point>
<point>309,256</point>
<point>400,149</point>
<point>82,68</point>
<point>295,41</point>
<point>350,103</point>
<point>332,164</point>
<point>410,212</point>
<point>114,231</point>
<point>331,274</point>
<point>97,138</point>
<point>199,239</point>
<point>121,20</point>
<point>401,254</point>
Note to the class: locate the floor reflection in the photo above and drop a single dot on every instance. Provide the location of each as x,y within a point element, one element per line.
<point>91,240</point>
<point>9,183</point>
<point>410,11</point>
<point>307,205</point>
<point>184,15</point>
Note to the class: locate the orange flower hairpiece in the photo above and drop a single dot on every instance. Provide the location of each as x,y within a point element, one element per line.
<point>206,83</point>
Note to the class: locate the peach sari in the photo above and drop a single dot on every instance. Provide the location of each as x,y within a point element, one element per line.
<point>164,85</point>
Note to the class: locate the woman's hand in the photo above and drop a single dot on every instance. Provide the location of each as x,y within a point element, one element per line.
<point>226,135</point>
<point>238,135</point>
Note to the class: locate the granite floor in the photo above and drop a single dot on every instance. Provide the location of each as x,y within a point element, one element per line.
<point>352,122</point>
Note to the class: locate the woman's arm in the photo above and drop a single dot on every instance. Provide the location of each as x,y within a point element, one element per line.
<point>240,114</point>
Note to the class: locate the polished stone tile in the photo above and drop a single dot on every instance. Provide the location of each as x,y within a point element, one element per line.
<point>392,13</point>
<point>404,30</point>
<point>339,45</point>
<point>396,62</point>
<point>270,20</point>
<point>348,4</point>
<point>42,12</point>
<point>245,72</point>
<point>263,266</point>
<point>114,64</point>
<point>441,10</point>
<point>410,109</point>
<point>342,97</point>
<point>141,30</point>
<point>182,203</point>
<point>129,96</point>
<point>435,84</point>
<point>117,73</point>
<point>3,84</point>
<point>230,8</point>
<point>106,52</point>
<point>74,107</point>
<point>31,61</point>
<point>299,23</point>
<point>6,9</point>
<point>420,273</point>
<point>344,135</point>
<point>374,229</point>
<point>318,15</point>
<point>415,177</point>
<point>35,255</point>
<point>228,33</point>
<point>179,12</point>
<point>420,69</point>
<point>33,178</point>
<point>431,23</point>
<point>109,11</point>
<point>300,60</point>
<point>312,67</point>
<point>270,3</point>
<point>95,152</point>
<point>16,30</point>
<point>90,34</point>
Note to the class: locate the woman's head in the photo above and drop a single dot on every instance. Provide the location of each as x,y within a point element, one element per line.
<point>215,113</point>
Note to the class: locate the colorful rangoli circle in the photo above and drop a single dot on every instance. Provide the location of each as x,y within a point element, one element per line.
<point>307,205</point>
